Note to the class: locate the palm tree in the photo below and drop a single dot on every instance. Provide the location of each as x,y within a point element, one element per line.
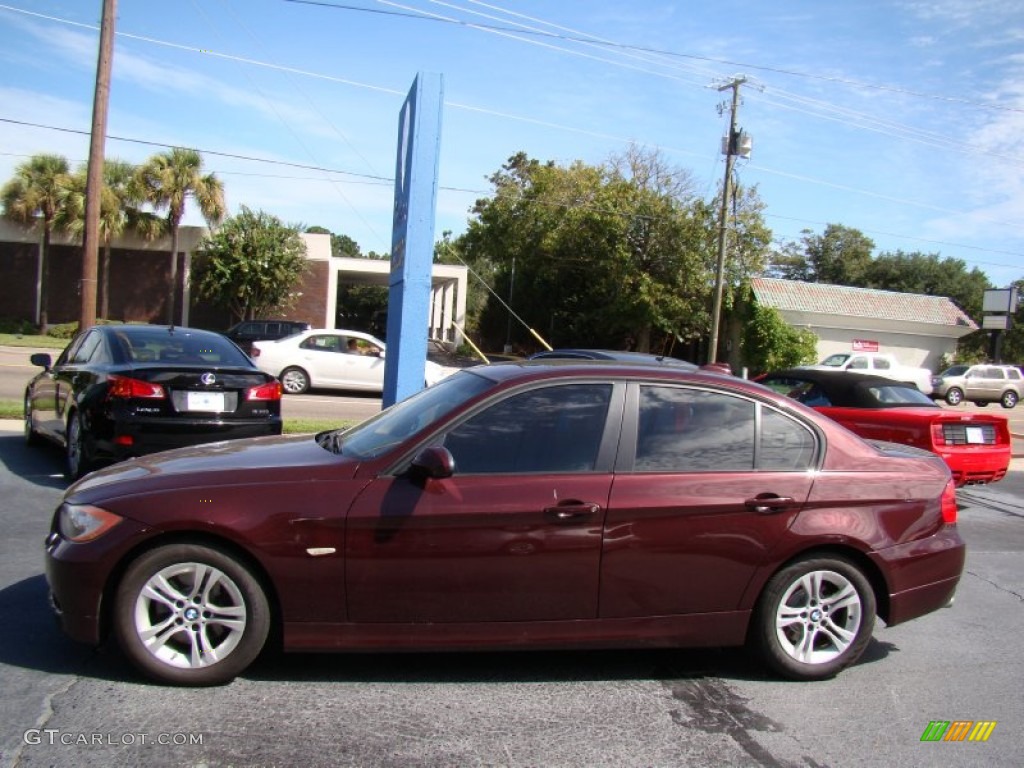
<point>168,179</point>
<point>120,201</point>
<point>33,197</point>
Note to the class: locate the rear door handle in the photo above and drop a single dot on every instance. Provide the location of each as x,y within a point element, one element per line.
<point>769,503</point>
<point>572,512</point>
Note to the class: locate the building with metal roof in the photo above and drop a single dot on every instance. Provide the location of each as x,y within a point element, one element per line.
<point>918,330</point>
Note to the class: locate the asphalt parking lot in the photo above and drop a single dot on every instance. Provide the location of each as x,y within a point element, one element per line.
<point>68,705</point>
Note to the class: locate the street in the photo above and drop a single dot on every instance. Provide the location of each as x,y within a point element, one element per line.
<point>69,705</point>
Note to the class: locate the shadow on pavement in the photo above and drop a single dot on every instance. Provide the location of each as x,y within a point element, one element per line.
<point>42,465</point>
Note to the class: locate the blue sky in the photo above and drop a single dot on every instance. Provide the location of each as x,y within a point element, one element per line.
<point>903,119</point>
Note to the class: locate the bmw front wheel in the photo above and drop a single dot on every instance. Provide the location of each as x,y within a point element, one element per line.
<point>189,614</point>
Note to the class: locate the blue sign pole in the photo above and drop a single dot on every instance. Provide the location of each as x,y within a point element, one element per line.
<point>412,238</point>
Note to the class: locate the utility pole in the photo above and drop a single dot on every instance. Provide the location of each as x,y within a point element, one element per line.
<point>94,177</point>
<point>731,149</point>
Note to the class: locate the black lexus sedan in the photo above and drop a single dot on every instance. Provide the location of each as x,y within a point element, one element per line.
<point>126,390</point>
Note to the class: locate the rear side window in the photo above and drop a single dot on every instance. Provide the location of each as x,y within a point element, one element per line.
<point>688,430</point>
<point>550,430</point>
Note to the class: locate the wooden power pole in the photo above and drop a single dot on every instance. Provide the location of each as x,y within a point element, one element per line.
<point>730,150</point>
<point>94,177</point>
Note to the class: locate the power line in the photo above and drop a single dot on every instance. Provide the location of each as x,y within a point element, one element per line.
<point>422,16</point>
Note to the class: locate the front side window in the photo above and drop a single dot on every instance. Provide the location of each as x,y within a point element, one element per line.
<point>549,430</point>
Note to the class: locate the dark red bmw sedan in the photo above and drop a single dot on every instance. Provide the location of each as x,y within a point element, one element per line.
<point>537,505</point>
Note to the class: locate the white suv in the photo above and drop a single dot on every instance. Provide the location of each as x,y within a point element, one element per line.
<point>981,384</point>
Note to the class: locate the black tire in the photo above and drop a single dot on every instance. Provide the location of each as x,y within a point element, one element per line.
<point>1009,399</point>
<point>954,396</point>
<point>981,403</point>
<point>209,604</point>
<point>32,437</point>
<point>814,618</point>
<point>294,381</point>
<point>78,458</point>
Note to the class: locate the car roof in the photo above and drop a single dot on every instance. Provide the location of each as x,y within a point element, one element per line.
<point>527,370</point>
<point>844,386</point>
<point>139,329</point>
<point>610,354</point>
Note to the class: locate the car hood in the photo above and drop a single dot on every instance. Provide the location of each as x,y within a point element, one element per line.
<point>231,462</point>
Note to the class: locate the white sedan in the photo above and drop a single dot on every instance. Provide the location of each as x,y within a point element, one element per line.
<point>330,359</point>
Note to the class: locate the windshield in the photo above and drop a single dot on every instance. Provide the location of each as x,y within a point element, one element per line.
<point>835,360</point>
<point>393,425</point>
<point>896,394</point>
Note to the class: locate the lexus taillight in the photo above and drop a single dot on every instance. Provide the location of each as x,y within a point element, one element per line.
<point>127,387</point>
<point>269,391</point>
<point>949,504</point>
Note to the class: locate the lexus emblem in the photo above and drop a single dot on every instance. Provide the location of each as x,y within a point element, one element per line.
<point>208,379</point>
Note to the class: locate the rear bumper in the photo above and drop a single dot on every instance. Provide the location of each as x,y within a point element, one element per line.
<point>140,437</point>
<point>924,574</point>
<point>970,468</point>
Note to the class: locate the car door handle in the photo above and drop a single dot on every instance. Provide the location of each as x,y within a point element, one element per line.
<point>769,503</point>
<point>572,512</point>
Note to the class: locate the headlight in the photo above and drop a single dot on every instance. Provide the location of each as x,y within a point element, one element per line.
<point>82,522</point>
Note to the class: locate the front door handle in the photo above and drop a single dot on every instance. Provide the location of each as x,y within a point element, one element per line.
<point>770,503</point>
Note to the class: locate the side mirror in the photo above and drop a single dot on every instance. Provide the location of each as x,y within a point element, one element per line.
<point>42,359</point>
<point>435,462</point>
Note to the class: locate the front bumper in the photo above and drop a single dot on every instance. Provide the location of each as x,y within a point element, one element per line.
<point>80,577</point>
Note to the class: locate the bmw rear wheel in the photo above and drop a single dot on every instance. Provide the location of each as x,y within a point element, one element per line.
<point>954,396</point>
<point>294,381</point>
<point>190,614</point>
<point>814,619</point>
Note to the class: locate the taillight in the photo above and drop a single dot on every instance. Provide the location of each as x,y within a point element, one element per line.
<point>938,436</point>
<point>949,504</point>
<point>126,387</point>
<point>255,352</point>
<point>269,391</point>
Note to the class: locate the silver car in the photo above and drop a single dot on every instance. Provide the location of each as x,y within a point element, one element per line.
<point>980,384</point>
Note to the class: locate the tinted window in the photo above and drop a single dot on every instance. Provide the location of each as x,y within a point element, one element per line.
<point>182,347</point>
<point>786,444</point>
<point>90,350</point>
<point>555,429</point>
<point>686,430</point>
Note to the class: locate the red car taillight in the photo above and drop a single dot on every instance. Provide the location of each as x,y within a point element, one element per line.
<point>255,353</point>
<point>938,436</point>
<point>949,504</point>
<point>126,387</point>
<point>269,391</point>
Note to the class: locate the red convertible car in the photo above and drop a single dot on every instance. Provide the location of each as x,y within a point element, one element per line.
<point>976,446</point>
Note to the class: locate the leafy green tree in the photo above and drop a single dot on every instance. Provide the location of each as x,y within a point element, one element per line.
<point>34,197</point>
<point>169,179</point>
<point>251,264</point>
<point>839,256</point>
<point>602,255</point>
<point>770,344</point>
<point>121,199</point>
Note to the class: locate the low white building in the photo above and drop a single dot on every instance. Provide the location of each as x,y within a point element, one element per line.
<point>918,330</point>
